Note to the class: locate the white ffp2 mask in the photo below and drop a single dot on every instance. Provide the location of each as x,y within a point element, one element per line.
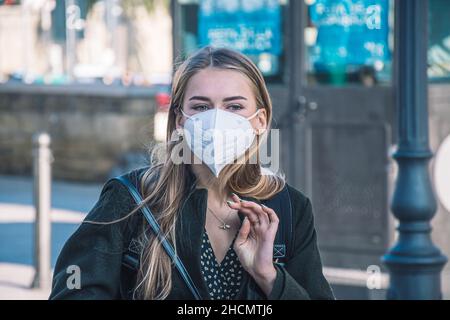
<point>218,137</point>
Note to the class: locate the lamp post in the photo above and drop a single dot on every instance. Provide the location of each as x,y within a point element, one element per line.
<point>414,262</point>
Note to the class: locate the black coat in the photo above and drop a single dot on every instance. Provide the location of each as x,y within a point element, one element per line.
<point>98,249</point>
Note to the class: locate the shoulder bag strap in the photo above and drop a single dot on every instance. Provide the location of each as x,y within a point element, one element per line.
<point>165,243</point>
<point>281,204</point>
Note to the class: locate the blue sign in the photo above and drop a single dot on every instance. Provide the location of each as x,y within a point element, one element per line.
<point>248,26</point>
<point>350,32</point>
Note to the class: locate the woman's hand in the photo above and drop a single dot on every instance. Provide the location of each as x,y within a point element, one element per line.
<point>254,243</point>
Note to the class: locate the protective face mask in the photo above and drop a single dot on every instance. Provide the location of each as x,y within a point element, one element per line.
<point>218,137</point>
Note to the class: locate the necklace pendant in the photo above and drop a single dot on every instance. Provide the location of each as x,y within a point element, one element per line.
<point>224,226</point>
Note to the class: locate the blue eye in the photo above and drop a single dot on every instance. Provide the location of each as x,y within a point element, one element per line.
<point>235,107</point>
<point>200,107</point>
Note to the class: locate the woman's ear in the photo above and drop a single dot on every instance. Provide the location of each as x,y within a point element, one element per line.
<point>261,121</point>
<point>178,119</point>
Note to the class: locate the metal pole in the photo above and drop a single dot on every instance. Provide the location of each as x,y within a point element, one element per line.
<point>42,201</point>
<point>414,262</point>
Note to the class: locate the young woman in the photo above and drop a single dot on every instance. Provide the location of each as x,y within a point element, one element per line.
<point>210,210</point>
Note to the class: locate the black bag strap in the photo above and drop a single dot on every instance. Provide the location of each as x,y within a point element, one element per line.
<point>165,243</point>
<point>283,244</point>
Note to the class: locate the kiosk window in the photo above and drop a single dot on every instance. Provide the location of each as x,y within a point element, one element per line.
<point>439,41</point>
<point>253,27</point>
<point>349,41</point>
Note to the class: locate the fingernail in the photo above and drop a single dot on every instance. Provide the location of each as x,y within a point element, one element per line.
<point>242,200</point>
<point>264,206</point>
<point>234,194</point>
<point>229,202</point>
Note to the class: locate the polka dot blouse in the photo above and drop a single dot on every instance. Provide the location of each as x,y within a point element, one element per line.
<point>222,280</point>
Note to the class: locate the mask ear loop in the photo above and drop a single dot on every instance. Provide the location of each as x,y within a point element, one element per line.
<point>257,136</point>
<point>257,150</point>
<point>254,115</point>
<point>186,115</point>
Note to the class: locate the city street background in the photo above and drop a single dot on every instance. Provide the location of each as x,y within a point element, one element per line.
<point>70,203</point>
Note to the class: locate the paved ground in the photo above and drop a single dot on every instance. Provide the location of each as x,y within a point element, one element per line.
<point>70,203</point>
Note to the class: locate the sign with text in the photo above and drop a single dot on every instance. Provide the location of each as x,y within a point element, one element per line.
<point>350,32</point>
<point>251,26</point>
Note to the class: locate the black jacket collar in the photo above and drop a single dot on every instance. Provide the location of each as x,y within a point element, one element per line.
<point>190,228</point>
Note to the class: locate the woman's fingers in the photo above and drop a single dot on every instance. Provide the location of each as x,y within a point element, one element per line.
<point>238,205</point>
<point>235,197</point>
<point>252,216</point>
<point>274,220</point>
<point>256,208</point>
<point>244,231</point>
<point>257,214</point>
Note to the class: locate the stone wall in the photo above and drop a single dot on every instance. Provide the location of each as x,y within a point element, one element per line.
<point>93,127</point>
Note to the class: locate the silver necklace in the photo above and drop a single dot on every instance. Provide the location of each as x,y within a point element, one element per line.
<point>224,225</point>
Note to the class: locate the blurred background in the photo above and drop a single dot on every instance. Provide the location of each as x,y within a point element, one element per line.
<point>95,76</point>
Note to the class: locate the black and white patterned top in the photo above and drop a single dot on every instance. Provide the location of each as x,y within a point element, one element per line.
<point>222,280</point>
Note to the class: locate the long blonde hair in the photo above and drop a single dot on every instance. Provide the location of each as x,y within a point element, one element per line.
<point>164,185</point>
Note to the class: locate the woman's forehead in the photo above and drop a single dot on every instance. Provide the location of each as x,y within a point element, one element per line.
<point>217,83</point>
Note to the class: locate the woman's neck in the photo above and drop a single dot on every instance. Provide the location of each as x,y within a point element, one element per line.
<point>207,180</point>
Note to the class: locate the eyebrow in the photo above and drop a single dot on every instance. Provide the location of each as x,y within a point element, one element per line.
<point>202,98</point>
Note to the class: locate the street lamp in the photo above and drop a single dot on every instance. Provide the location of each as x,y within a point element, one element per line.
<point>414,262</point>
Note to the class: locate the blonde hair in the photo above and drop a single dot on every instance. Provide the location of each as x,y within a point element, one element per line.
<point>165,184</point>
